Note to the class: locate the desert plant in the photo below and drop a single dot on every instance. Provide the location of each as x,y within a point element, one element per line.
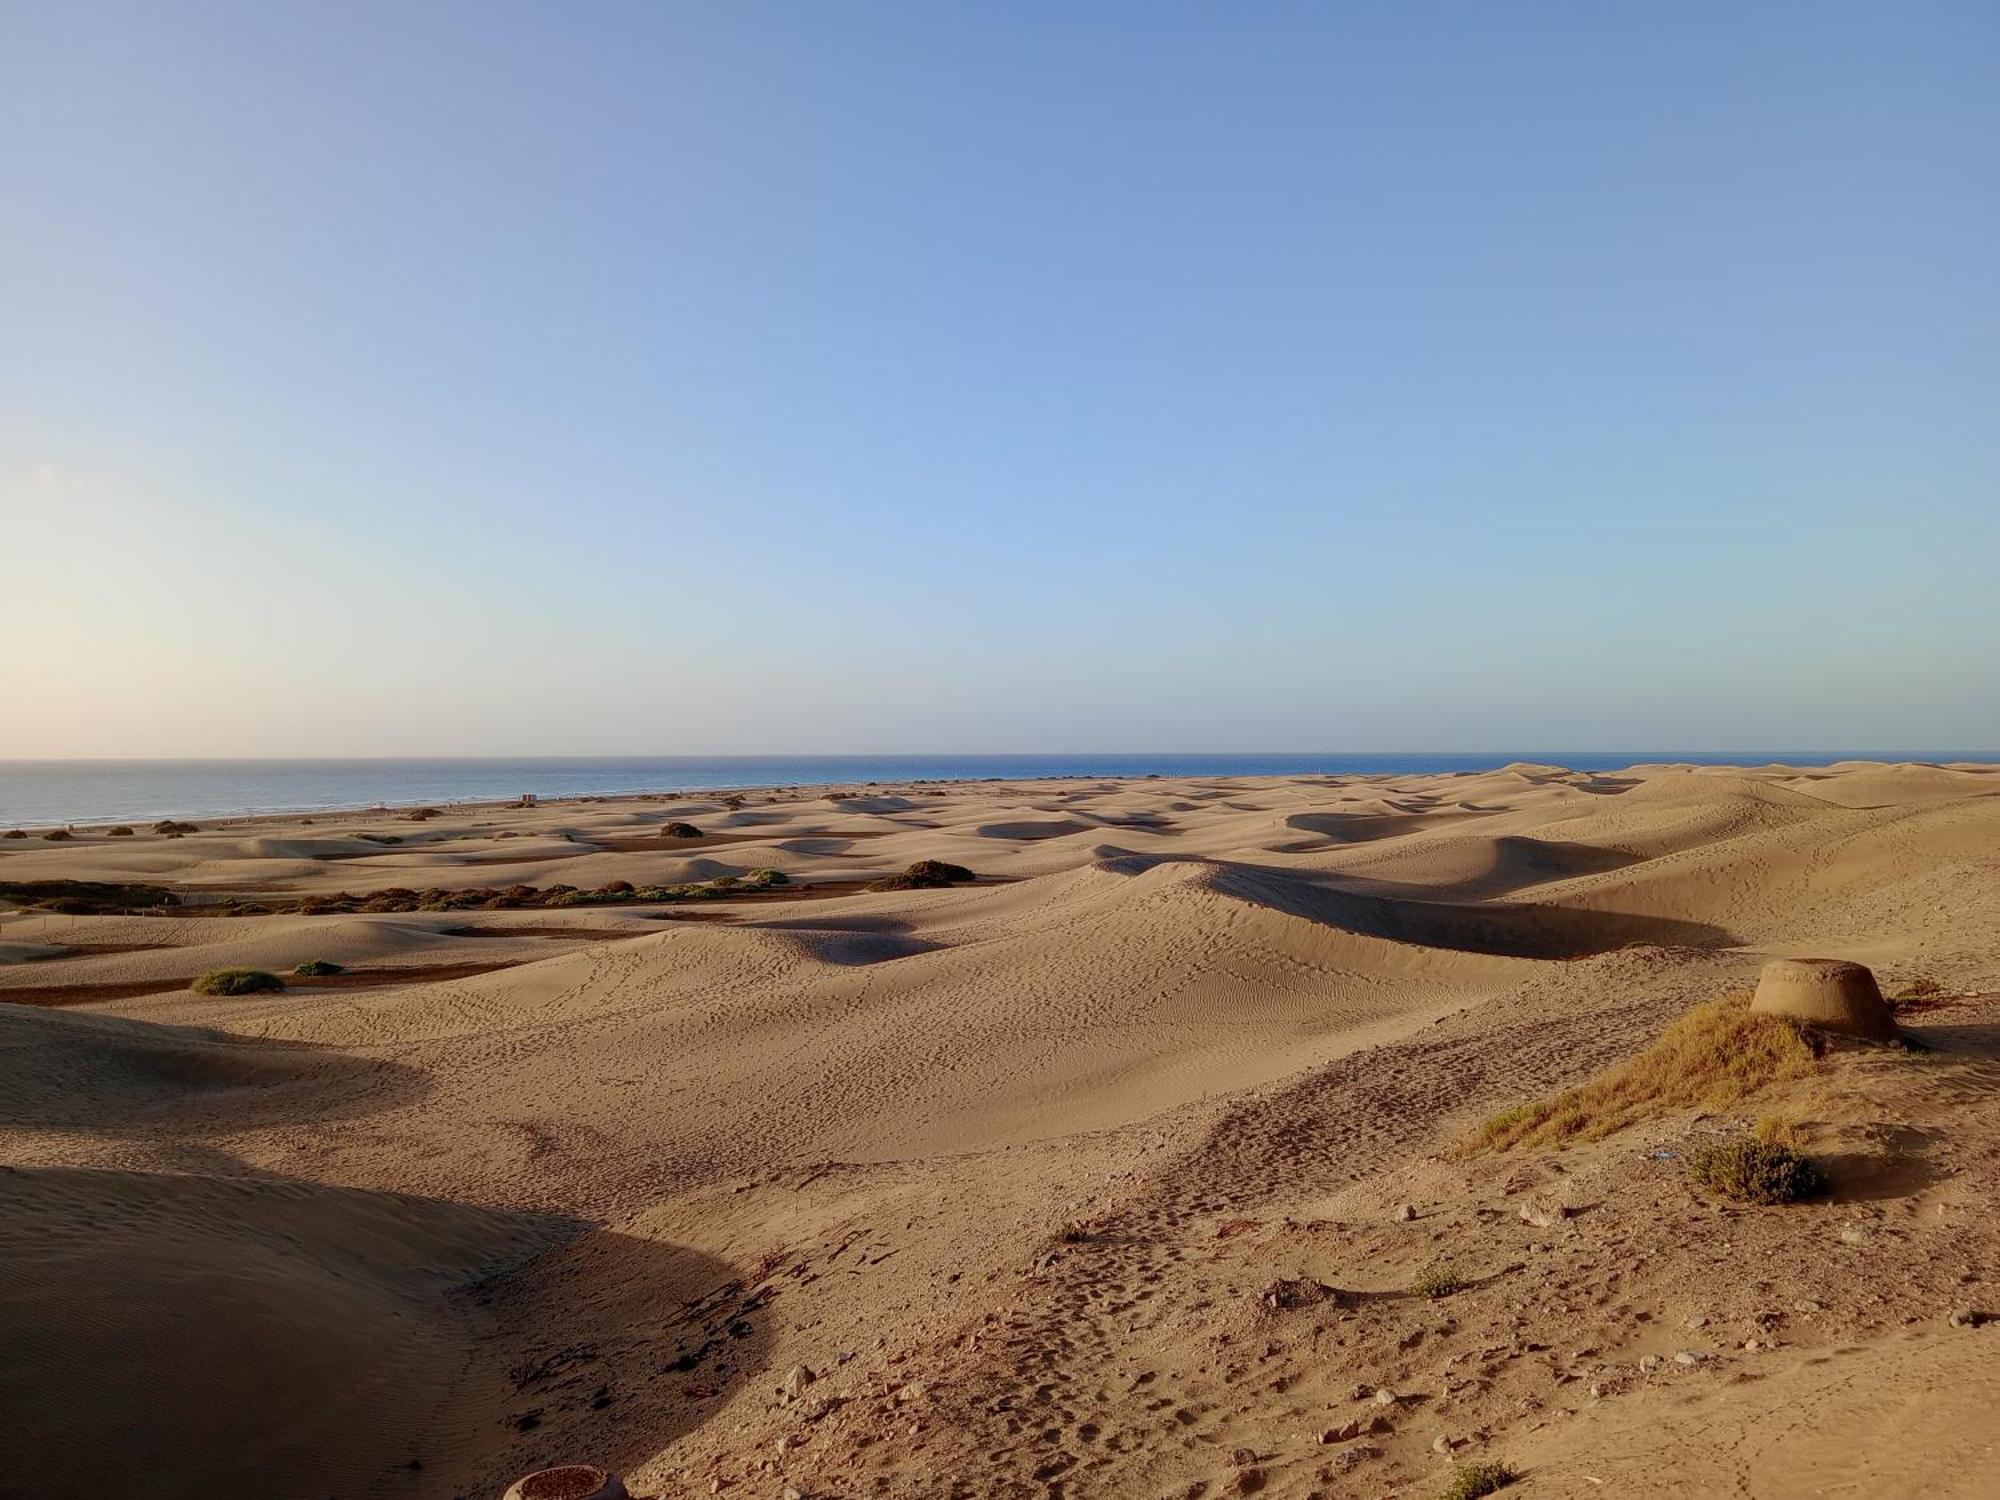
<point>420,814</point>
<point>679,831</point>
<point>1712,1057</point>
<point>120,832</point>
<point>1754,1171</point>
<point>15,833</point>
<point>169,827</point>
<point>767,877</point>
<point>1436,1282</point>
<point>318,968</point>
<point>1473,1480</point>
<point>57,835</point>
<point>237,982</point>
<point>937,872</point>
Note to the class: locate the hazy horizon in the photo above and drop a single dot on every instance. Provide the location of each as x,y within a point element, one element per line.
<point>451,379</point>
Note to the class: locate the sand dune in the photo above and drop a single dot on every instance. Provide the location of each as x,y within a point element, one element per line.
<point>594,1203</point>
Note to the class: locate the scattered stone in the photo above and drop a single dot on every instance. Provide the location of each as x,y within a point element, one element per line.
<point>1966,1317</point>
<point>1697,1321</point>
<point>1808,1305</point>
<point>1544,1212</point>
<point>1287,1294</point>
<point>1689,1357</point>
<point>1856,1234</point>
<point>1597,1393</point>
<point>1353,1458</point>
<point>1347,1431</point>
<point>1384,1396</point>
<point>1649,1363</point>
<point>796,1380</point>
<point>1442,1445</point>
<point>1405,1212</point>
<point>1249,1481</point>
<point>1243,1458</point>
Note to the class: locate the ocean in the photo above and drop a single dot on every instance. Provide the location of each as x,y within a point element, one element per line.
<point>44,793</point>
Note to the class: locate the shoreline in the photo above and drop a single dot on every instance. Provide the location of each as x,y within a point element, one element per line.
<point>98,823</point>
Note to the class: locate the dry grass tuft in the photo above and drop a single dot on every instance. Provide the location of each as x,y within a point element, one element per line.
<point>1711,1058</point>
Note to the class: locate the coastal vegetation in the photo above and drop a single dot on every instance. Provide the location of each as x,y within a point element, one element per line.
<point>237,982</point>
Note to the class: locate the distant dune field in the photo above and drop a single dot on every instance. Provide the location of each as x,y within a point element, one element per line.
<point>1105,1174</point>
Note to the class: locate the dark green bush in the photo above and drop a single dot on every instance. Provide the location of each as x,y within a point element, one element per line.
<point>679,831</point>
<point>120,832</point>
<point>1754,1171</point>
<point>57,835</point>
<point>318,968</point>
<point>237,982</point>
<point>923,874</point>
<point>15,833</point>
<point>170,827</point>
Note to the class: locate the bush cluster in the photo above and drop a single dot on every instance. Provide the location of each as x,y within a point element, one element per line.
<point>1754,1171</point>
<point>237,982</point>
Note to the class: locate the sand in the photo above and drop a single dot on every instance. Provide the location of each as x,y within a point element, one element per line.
<point>584,1184</point>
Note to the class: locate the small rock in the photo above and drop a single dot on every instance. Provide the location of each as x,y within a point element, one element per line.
<point>796,1380</point>
<point>1384,1396</point>
<point>1689,1357</point>
<point>1350,1458</point>
<point>1966,1317</point>
<point>1405,1212</point>
<point>1441,1445</point>
<point>1243,1458</point>
<point>1597,1393</point>
<point>1808,1305</point>
<point>1649,1362</point>
<point>1249,1481</point>
<point>1697,1321</point>
<point>1544,1212</point>
<point>1751,1346</point>
<point>1856,1234</point>
<point>792,1492</point>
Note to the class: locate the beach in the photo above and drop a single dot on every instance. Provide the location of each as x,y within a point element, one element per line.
<point>1102,1164</point>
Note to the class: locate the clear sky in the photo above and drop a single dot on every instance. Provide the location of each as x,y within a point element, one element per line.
<point>739,377</point>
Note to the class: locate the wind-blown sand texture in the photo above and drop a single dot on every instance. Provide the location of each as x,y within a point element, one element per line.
<point>591,1199</point>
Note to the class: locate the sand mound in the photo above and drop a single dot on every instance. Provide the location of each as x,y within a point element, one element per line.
<point>238,1337</point>
<point>1829,992</point>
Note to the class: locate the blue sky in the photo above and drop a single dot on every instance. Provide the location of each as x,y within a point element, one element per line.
<point>415,378</point>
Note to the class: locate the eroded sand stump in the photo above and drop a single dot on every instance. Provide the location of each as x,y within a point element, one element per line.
<point>1829,993</point>
<point>570,1482</point>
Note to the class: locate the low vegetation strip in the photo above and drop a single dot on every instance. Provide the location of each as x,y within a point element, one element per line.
<point>1711,1058</point>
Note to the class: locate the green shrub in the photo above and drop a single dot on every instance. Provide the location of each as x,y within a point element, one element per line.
<point>318,968</point>
<point>767,878</point>
<point>57,835</point>
<point>1436,1282</point>
<point>679,831</point>
<point>237,982</point>
<point>15,833</point>
<point>1753,1171</point>
<point>120,832</point>
<point>174,830</point>
<point>1474,1480</point>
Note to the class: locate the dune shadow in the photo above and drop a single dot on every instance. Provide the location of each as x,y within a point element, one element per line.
<point>186,1335</point>
<point>1895,1165</point>
<point>618,1345</point>
<point>1544,930</point>
<point>112,1075</point>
